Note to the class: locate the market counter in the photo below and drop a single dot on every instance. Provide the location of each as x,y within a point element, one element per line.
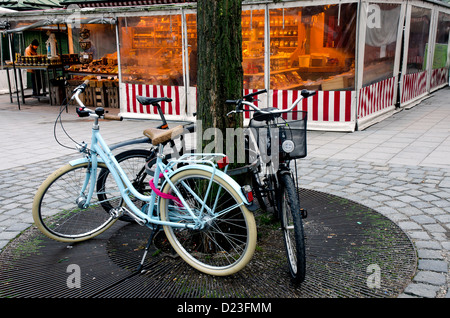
<point>50,74</point>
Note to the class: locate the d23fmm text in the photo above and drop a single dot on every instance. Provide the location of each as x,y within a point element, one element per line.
<point>246,307</point>
<point>226,308</point>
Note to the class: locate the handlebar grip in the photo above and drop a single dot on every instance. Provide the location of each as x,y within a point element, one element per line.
<point>305,93</point>
<point>112,117</point>
<point>82,87</point>
<point>250,96</point>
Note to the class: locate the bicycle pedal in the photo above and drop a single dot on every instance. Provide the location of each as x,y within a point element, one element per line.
<point>116,212</point>
<point>304,213</point>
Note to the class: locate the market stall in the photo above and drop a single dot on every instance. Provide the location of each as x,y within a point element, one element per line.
<point>94,48</point>
<point>366,59</point>
<point>286,47</point>
<point>425,59</point>
<point>74,56</point>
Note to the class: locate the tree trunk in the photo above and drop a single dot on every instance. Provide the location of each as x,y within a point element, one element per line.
<point>220,73</point>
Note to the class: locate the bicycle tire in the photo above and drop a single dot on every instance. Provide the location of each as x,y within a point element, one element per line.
<point>56,212</point>
<point>292,228</point>
<point>257,190</point>
<point>273,195</point>
<point>133,163</point>
<point>227,243</point>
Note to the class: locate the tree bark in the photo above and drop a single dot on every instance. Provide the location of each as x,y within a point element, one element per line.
<point>220,73</point>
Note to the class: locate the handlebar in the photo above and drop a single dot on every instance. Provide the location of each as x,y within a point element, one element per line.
<point>83,111</point>
<point>248,100</point>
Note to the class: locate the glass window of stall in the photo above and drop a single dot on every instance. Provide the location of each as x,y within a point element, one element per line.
<point>253,22</point>
<point>151,50</point>
<point>253,40</point>
<point>442,38</point>
<point>191,31</point>
<point>381,42</point>
<point>418,39</point>
<point>93,49</point>
<point>98,39</point>
<point>313,47</point>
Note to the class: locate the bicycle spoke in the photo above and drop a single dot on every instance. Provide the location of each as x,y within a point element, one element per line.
<point>222,241</point>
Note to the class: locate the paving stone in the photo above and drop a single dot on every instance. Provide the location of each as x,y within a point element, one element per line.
<point>423,219</point>
<point>8,235</point>
<point>396,204</point>
<point>433,265</point>
<point>408,225</point>
<point>422,290</point>
<point>432,278</point>
<point>445,183</point>
<point>445,218</point>
<point>434,228</point>
<point>407,198</point>
<point>428,245</point>
<point>419,235</point>
<point>430,254</point>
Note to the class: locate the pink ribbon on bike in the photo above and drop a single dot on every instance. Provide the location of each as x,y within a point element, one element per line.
<point>164,195</point>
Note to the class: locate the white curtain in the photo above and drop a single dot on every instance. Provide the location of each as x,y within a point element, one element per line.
<point>382,26</point>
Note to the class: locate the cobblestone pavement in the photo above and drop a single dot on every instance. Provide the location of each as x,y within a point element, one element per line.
<point>399,167</point>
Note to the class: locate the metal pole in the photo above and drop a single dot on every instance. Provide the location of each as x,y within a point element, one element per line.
<point>11,45</point>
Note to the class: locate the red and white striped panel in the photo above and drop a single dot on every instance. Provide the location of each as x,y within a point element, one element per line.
<point>324,107</point>
<point>414,85</point>
<point>176,93</point>
<point>439,77</point>
<point>376,97</point>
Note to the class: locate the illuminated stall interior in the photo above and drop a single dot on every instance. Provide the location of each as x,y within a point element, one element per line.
<point>151,50</point>
<point>95,46</point>
<point>311,47</point>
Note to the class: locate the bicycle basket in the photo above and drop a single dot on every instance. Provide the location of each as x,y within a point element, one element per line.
<point>293,136</point>
<point>288,134</point>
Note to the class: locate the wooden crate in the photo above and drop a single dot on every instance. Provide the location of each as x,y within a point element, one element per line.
<point>112,95</point>
<point>57,94</point>
<point>69,89</point>
<point>95,97</point>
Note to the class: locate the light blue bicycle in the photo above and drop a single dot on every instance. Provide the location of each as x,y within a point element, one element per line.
<point>203,211</point>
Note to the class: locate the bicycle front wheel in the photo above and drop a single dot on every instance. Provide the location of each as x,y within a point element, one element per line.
<point>292,227</point>
<point>227,241</point>
<point>56,206</point>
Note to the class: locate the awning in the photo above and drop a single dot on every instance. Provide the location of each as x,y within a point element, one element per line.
<point>26,5</point>
<point>62,20</point>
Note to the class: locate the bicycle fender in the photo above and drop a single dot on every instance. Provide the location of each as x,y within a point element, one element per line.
<point>83,160</point>
<point>220,174</point>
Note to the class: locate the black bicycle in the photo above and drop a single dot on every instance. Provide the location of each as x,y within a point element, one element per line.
<point>276,140</point>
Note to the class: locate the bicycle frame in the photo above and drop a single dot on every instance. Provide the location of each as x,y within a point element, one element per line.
<point>101,153</point>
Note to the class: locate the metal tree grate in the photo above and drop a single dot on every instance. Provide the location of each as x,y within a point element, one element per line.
<point>343,240</point>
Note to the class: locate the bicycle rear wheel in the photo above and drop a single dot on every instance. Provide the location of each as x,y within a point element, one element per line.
<point>56,212</point>
<point>292,227</point>
<point>133,163</point>
<point>227,242</point>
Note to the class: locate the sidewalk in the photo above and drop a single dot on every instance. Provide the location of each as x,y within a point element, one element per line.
<point>399,167</point>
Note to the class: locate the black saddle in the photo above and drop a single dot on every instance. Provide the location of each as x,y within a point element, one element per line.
<point>152,101</point>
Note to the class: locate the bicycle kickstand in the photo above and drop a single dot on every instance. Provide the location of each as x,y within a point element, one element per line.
<point>147,247</point>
